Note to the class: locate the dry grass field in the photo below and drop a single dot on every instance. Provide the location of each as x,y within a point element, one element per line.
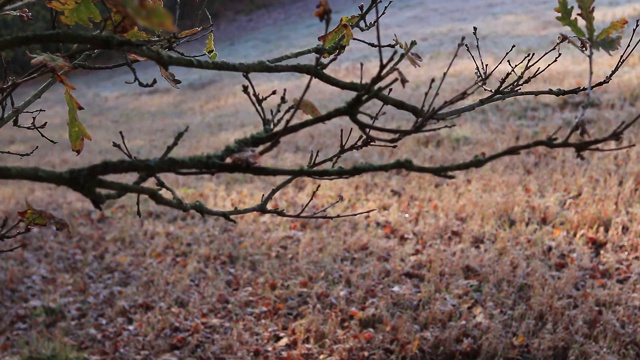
<point>531,257</point>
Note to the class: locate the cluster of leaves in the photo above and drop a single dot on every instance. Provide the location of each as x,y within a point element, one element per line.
<point>126,19</point>
<point>339,37</point>
<point>608,39</point>
<point>34,217</point>
<point>144,21</point>
<point>29,218</point>
<point>127,15</point>
<point>147,21</point>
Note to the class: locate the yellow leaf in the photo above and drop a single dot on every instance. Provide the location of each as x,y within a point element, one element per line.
<point>77,131</point>
<point>76,11</point>
<point>32,216</point>
<point>307,107</point>
<point>341,35</point>
<point>610,37</point>
<point>136,34</point>
<point>615,27</point>
<point>150,14</point>
<point>122,23</point>
<point>519,340</point>
<point>189,32</point>
<point>398,42</point>
<point>349,19</point>
<point>210,49</point>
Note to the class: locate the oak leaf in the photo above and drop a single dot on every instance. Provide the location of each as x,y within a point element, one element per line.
<point>609,38</point>
<point>74,12</point>
<point>136,34</point>
<point>614,28</point>
<point>149,14</point>
<point>566,18</point>
<point>340,36</point>
<point>586,13</point>
<point>77,132</point>
<point>34,217</point>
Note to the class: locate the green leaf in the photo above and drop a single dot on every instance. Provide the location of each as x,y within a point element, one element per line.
<point>341,35</point>
<point>586,13</point>
<point>76,11</point>
<point>210,49</point>
<point>566,18</point>
<point>77,131</point>
<point>608,44</point>
<point>32,216</point>
<point>136,34</point>
<point>151,15</point>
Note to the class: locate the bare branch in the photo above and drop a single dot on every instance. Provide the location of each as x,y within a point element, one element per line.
<point>21,155</point>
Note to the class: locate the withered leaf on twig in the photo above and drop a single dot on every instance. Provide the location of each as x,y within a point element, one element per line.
<point>307,107</point>
<point>170,77</point>
<point>248,157</point>
<point>35,217</point>
<point>323,11</point>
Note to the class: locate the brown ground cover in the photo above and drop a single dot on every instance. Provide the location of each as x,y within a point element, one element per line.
<point>534,257</point>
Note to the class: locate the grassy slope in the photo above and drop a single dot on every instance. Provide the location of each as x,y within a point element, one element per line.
<point>532,256</point>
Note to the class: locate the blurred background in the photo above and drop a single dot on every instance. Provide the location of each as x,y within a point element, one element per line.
<point>192,14</point>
